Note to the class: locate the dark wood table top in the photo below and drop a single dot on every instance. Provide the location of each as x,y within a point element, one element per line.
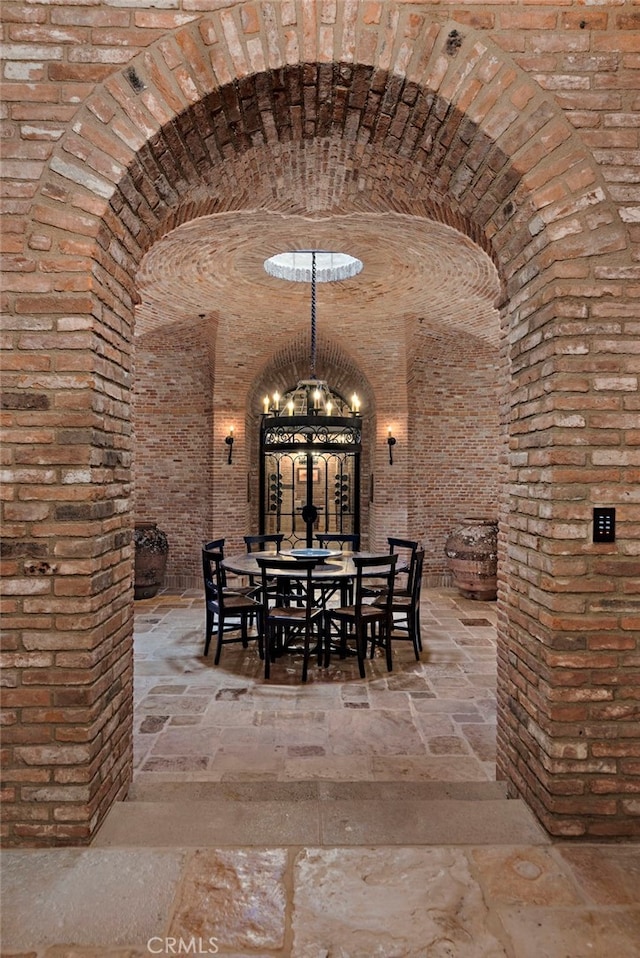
<point>336,567</point>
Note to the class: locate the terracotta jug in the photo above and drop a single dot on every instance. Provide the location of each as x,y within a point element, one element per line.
<point>472,551</point>
<point>152,547</point>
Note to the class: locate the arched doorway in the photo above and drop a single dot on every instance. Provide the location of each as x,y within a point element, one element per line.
<point>131,170</point>
<point>310,470</point>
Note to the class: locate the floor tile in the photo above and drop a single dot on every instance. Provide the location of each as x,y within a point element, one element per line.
<point>578,933</point>
<point>524,875</point>
<point>363,903</point>
<point>608,876</point>
<point>49,897</point>
<point>236,898</point>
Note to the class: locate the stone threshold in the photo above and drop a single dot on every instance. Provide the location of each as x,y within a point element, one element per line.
<point>162,787</point>
<point>326,821</point>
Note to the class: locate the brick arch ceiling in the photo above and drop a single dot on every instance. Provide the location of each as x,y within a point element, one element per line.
<point>436,133</point>
<point>293,193</point>
<point>412,266</point>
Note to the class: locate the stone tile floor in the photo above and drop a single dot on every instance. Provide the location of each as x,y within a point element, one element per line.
<point>428,720</point>
<point>426,727</point>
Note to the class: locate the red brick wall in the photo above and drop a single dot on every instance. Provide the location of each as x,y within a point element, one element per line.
<point>521,123</point>
<point>172,416</point>
<point>455,439</point>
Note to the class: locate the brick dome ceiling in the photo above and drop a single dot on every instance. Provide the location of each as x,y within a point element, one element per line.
<point>412,266</point>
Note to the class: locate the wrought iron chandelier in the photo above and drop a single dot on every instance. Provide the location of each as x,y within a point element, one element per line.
<point>311,414</point>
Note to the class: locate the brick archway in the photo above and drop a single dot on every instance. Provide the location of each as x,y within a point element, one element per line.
<point>416,116</point>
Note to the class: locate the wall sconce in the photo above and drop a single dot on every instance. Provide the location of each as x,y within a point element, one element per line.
<point>229,442</point>
<point>391,443</point>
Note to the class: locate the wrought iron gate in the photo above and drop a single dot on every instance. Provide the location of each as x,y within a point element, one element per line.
<point>310,476</point>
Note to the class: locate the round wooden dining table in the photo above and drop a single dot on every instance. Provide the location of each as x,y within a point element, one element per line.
<point>340,565</point>
<point>334,576</point>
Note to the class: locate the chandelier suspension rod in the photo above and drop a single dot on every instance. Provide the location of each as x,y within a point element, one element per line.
<point>319,266</point>
<point>313,315</point>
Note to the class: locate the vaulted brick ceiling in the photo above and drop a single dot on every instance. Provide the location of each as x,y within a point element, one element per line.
<point>334,157</point>
<point>413,267</point>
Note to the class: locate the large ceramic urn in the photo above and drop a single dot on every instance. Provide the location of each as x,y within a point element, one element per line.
<point>152,548</point>
<point>472,553</point>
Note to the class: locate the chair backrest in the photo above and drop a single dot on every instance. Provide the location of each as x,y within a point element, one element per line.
<point>351,539</point>
<point>406,548</point>
<point>259,542</point>
<point>213,574</point>
<point>416,585</point>
<point>215,545</point>
<point>301,570</point>
<point>382,569</point>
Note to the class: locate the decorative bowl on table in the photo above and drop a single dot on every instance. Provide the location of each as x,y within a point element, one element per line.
<point>321,554</point>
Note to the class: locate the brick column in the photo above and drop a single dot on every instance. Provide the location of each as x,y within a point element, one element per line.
<point>568,662</point>
<point>67,615</point>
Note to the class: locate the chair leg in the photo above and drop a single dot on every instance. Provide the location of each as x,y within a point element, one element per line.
<point>387,646</point>
<point>326,636</point>
<point>305,655</point>
<point>415,636</point>
<point>343,640</point>
<point>361,642</point>
<point>374,641</point>
<point>208,631</point>
<point>381,638</point>
<point>219,642</point>
<point>260,628</point>
<point>267,652</point>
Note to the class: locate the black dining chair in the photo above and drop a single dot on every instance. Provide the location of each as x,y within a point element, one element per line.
<point>328,539</point>
<point>217,545</point>
<point>289,612</point>
<point>234,584</point>
<point>406,612</point>
<point>406,550</point>
<point>227,611</point>
<point>263,542</point>
<point>362,618</point>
